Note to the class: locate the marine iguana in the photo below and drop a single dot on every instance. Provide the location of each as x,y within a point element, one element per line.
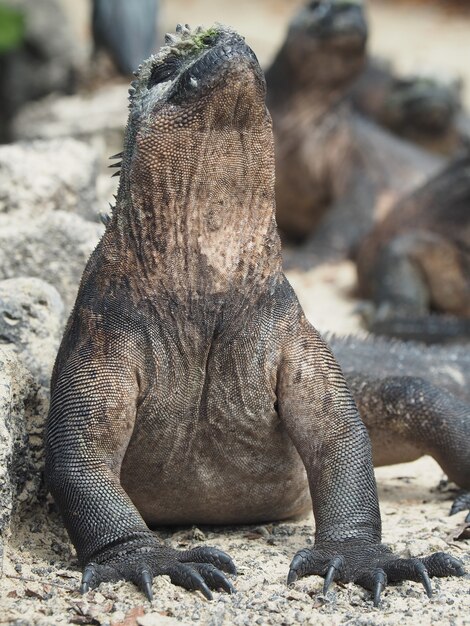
<point>414,400</point>
<point>189,386</point>
<point>417,260</point>
<point>335,170</point>
<point>419,107</point>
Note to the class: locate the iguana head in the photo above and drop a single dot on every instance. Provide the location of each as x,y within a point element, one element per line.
<point>193,71</point>
<point>421,103</point>
<point>326,41</point>
<point>197,177</point>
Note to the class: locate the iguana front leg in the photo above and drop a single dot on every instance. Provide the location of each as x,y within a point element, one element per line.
<point>323,422</point>
<point>93,408</point>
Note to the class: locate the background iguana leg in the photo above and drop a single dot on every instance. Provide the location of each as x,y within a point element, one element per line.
<point>321,418</point>
<point>415,273</point>
<point>461,503</point>
<point>93,408</point>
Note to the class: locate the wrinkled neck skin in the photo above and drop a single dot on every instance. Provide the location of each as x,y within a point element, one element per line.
<point>194,217</point>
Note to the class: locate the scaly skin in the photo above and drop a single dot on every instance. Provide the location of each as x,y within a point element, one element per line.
<point>189,386</point>
<point>414,400</point>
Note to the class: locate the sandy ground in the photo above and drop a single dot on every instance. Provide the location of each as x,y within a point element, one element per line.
<point>41,575</point>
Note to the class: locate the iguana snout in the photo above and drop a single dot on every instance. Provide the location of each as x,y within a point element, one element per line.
<point>198,67</point>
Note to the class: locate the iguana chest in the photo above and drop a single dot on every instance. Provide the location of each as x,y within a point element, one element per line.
<point>208,444</point>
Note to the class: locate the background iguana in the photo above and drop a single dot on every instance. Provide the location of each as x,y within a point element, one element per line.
<point>419,107</point>
<point>335,170</point>
<point>414,400</point>
<point>189,386</point>
<point>416,261</point>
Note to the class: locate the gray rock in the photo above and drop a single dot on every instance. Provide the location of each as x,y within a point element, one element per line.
<point>49,175</point>
<point>31,322</point>
<point>98,118</point>
<point>23,408</point>
<point>54,247</point>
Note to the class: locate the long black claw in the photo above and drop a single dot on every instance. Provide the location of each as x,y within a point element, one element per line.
<point>295,565</point>
<point>291,576</point>
<point>88,575</point>
<point>442,564</point>
<point>215,557</point>
<point>334,567</point>
<point>213,577</point>
<point>380,582</point>
<point>145,583</point>
<point>220,582</point>
<point>299,565</point>
<point>190,578</point>
<point>424,577</point>
<point>461,503</point>
<point>223,561</point>
<point>204,589</point>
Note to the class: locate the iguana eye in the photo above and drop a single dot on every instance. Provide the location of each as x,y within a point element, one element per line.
<point>209,39</point>
<point>164,71</point>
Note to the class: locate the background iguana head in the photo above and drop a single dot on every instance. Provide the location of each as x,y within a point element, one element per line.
<point>197,177</point>
<point>326,41</point>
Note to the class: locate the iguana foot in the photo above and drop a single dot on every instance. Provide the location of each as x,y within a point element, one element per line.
<point>461,503</point>
<point>196,569</point>
<point>370,565</point>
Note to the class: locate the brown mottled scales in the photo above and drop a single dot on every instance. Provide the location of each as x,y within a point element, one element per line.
<point>189,387</point>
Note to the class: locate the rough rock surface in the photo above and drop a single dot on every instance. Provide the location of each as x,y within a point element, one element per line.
<point>23,408</point>
<point>98,118</point>
<point>49,175</point>
<point>54,247</point>
<point>31,322</point>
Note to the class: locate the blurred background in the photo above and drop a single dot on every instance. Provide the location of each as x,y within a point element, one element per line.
<point>65,66</point>
<point>420,35</point>
<point>416,34</point>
